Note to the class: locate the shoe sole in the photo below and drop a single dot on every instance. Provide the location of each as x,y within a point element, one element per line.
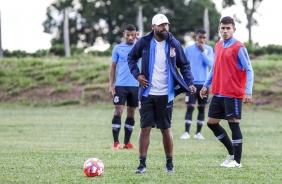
<point>140,172</point>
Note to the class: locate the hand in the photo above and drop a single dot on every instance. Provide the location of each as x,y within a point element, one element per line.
<point>139,34</point>
<point>143,81</point>
<point>193,89</point>
<point>203,92</point>
<point>247,98</point>
<point>112,91</point>
<point>201,46</point>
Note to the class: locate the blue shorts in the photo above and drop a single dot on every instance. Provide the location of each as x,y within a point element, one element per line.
<point>155,111</point>
<point>225,108</point>
<point>126,94</point>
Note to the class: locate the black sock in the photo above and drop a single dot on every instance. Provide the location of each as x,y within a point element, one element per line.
<point>188,117</point>
<point>222,136</point>
<point>128,129</point>
<point>237,140</point>
<point>142,160</point>
<point>116,123</point>
<point>199,126</point>
<point>187,125</point>
<point>168,160</point>
<point>200,118</point>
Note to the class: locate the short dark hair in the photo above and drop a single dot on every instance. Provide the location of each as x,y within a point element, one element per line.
<point>129,27</point>
<point>201,31</point>
<point>227,20</point>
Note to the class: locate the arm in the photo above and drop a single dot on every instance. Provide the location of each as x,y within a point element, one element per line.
<point>245,63</point>
<point>184,65</point>
<point>132,59</point>
<point>209,79</point>
<point>112,79</point>
<point>185,69</point>
<point>208,57</point>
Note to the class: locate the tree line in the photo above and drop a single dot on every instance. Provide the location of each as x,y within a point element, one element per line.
<point>89,19</point>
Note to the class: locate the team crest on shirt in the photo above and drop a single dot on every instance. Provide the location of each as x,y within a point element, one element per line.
<point>116,99</point>
<point>172,52</point>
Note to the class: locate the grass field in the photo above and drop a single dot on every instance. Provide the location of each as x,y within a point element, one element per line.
<point>50,145</point>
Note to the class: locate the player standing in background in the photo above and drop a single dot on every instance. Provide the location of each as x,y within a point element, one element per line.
<point>123,88</point>
<point>159,82</point>
<point>232,80</point>
<point>201,59</point>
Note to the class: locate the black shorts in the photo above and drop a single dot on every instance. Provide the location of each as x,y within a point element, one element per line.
<point>155,111</point>
<point>126,94</point>
<point>225,108</point>
<point>192,98</point>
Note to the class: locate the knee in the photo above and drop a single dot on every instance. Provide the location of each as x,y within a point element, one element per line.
<point>201,109</point>
<point>118,112</point>
<point>190,108</point>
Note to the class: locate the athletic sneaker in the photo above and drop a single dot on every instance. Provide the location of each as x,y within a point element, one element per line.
<point>115,146</point>
<point>233,164</point>
<point>128,146</point>
<point>185,136</point>
<point>141,169</point>
<point>169,168</point>
<point>198,136</point>
<point>227,161</point>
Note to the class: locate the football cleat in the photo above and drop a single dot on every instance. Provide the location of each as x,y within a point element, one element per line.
<point>233,164</point>
<point>169,168</point>
<point>186,135</point>
<point>128,146</point>
<point>141,169</point>
<point>115,146</point>
<point>199,136</point>
<point>227,161</point>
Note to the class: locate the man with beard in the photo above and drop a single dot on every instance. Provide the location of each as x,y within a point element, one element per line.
<point>159,82</point>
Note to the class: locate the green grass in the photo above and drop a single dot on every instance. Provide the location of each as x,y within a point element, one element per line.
<point>50,145</point>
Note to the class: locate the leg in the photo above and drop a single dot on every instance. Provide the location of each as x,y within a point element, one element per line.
<point>144,141</point>
<point>201,113</point>
<point>188,117</point>
<point>201,117</point>
<point>233,108</point>
<point>167,141</point>
<point>221,134</point>
<point>128,127</point>
<point>116,124</point>
<point>200,121</point>
<point>237,139</point>
<point>168,147</point>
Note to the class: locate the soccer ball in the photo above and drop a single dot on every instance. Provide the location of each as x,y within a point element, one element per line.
<point>93,167</point>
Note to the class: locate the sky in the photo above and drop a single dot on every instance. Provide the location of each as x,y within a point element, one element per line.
<point>21,23</point>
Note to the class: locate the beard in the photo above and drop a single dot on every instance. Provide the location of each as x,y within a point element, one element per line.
<point>162,34</point>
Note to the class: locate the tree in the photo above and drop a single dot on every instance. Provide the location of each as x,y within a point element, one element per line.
<point>250,8</point>
<point>107,18</point>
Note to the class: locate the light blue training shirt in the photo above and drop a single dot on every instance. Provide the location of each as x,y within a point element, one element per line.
<point>123,75</point>
<point>199,62</point>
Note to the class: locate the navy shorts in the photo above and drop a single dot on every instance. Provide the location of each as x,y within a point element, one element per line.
<point>225,108</point>
<point>155,111</point>
<point>192,98</point>
<point>126,94</point>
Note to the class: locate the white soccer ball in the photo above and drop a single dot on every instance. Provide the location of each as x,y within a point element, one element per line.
<point>93,167</point>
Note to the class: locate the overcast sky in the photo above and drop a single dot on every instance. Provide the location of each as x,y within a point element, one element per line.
<point>22,20</point>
